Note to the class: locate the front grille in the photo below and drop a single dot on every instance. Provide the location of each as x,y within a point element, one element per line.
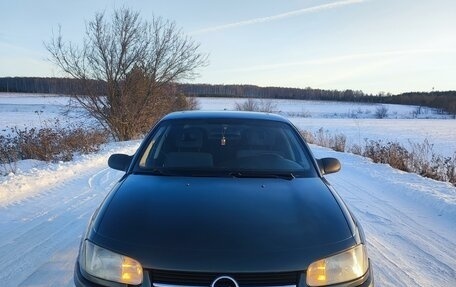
<point>206,279</point>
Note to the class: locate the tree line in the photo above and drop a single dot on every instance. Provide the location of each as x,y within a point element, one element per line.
<point>63,86</point>
<point>443,100</point>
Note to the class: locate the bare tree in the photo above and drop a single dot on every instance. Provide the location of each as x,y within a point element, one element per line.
<point>129,67</point>
<point>381,112</point>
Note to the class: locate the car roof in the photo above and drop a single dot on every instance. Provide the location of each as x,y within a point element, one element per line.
<point>224,115</point>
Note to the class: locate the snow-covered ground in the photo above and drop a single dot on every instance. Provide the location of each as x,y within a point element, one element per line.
<point>325,109</point>
<point>409,221</point>
<point>36,110</point>
<point>43,212</point>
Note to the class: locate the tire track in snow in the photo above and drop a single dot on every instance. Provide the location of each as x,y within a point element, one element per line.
<point>410,244</point>
<point>52,230</point>
<point>396,240</point>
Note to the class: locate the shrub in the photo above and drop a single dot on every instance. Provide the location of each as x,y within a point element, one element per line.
<point>192,103</point>
<point>420,159</point>
<point>391,153</point>
<point>381,112</point>
<point>182,103</point>
<point>47,144</point>
<point>356,149</point>
<point>324,138</point>
<point>421,156</point>
<point>255,105</point>
<point>302,114</point>
<point>308,136</point>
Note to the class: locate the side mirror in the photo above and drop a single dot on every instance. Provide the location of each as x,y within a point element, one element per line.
<point>120,161</point>
<point>328,165</point>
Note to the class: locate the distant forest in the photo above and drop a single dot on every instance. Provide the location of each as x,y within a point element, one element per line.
<point>442,100</point>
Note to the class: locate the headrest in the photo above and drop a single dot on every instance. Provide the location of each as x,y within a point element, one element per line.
<point>260,137</point>
<point>190,138</point>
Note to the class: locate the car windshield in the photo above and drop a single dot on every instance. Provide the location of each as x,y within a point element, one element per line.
<point>231,147</point>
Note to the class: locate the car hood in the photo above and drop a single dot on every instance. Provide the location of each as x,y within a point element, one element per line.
<point>229,224</point>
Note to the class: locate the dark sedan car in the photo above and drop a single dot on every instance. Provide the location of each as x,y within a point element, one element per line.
<point>223,199</point>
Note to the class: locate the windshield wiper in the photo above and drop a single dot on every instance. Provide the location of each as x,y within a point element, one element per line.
<point>155,171</point>
<point>179,172</point>
<point>250,174</point>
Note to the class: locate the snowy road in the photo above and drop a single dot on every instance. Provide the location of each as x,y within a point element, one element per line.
<point>40,229</point>
<point>40,235</point>
<point>410,222</point>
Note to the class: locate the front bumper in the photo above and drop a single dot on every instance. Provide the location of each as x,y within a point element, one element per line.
<point>80,280</point>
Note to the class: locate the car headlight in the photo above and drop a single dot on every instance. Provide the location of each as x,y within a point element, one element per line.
<point>105,264</point>
<point>345,266</point>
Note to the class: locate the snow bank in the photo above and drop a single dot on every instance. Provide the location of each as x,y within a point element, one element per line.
<point>33,175</point>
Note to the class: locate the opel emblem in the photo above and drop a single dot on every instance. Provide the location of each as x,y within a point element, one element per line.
<point>224,281</point>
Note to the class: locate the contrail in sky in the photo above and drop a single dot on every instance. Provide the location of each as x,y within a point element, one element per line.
<point>279,16</point>
<point>344,58</point>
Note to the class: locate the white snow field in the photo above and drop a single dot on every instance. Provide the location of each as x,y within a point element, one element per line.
<point>37,110</point>
<point>409,221</point>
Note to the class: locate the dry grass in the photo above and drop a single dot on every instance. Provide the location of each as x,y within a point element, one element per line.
<point>325,138</point>
<point>420,158</point>
<point>50,144</point>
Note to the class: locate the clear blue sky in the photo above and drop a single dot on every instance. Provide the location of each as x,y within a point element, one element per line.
<point>369,45</point>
